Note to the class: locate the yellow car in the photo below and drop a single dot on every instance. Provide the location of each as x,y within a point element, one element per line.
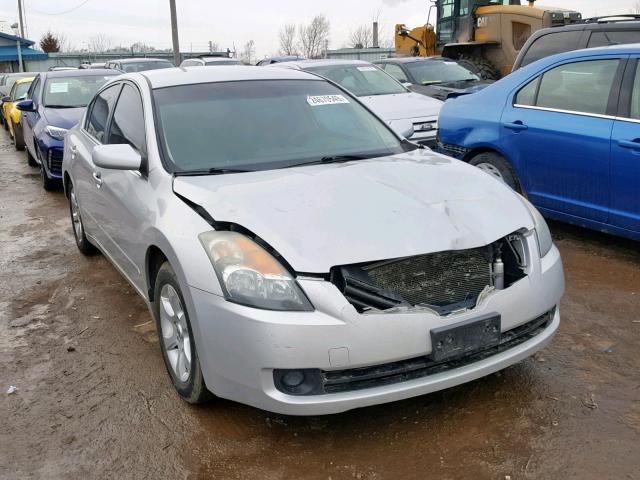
<point>12,114</point>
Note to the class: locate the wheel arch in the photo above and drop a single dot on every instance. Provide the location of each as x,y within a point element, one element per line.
<point>154,258</point>
<point>492,149</point>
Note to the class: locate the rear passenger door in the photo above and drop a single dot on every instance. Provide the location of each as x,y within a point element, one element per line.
<point>557,131</point>
<point>625,154</point>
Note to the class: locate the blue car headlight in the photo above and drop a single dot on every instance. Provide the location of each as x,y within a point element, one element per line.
<point>55,132</point>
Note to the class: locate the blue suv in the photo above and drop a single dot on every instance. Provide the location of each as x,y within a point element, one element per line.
<point>56,101</point>
<point>564,130</point>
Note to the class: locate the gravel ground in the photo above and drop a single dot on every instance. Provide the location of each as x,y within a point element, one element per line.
<point>94,401</point>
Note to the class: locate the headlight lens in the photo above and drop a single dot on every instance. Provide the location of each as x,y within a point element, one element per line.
<point>56,132</point>
<point>250,275</point>
<point>545,242</point>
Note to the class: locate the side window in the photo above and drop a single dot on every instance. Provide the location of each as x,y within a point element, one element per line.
<point>578,87</point>
<point>635,96</point>
<point>127,125</point>
<point>604,39</point>
<point>396,72</point>
<point>521,33</point>
<point>100,109</point>
<point>551,44</point>
<point>12,93</point>
<point>527,94</point>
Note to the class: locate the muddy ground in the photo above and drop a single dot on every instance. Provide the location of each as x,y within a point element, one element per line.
<point>94,401</point>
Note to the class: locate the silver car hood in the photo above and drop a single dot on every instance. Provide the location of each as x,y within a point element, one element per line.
<point>321,216</point>
<point>402,106</point>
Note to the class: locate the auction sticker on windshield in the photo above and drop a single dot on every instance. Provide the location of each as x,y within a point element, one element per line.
<point>317,100</point>
<point>60,87</point>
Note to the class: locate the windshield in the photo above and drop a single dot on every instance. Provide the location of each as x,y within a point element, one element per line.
<point>69,92</point>
<point>439,71</point>
<point>143,66</point>
<point>361,80</point>
<point>13,79</point>
<point>262,124</point>
<point>21,91</point>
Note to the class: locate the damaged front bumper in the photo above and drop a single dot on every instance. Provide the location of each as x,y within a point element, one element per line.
<point>243,350</point>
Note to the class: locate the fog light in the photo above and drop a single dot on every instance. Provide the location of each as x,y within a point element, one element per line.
<point>307,381</point>
<point>293,378</point>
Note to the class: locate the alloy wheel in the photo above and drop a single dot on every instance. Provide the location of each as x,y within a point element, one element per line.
<point>491,170</point>
<point>175,333</point>
<point>75,215</point>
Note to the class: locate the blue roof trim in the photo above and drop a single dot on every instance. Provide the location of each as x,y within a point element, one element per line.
<point>8,53</point>
<point>23,41</point>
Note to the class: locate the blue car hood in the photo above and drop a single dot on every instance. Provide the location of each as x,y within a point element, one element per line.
<point>63,117</point>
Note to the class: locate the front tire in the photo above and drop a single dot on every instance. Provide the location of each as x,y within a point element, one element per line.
<point>497,166</point>
<point>83,244</point>
<point>49,184</point>
<point>30,160</point>
<point>176,338</point>
<point>480,65</point>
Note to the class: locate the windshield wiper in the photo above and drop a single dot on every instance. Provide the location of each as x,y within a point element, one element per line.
<point>333,159</point>
<point>210,171</point>
<point>65,106</point>
<point>431,82</point>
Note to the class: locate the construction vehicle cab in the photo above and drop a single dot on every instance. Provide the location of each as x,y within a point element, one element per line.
<point>484,34</point>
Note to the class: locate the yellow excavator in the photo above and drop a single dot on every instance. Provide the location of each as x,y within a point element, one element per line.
<point>485,35</point>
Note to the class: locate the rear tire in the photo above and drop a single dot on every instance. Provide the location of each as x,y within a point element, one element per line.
<point>497,166</point>
<point>480,65</point>
<point>18,138</point>
<point>176,338</point>
<point>82,242</point>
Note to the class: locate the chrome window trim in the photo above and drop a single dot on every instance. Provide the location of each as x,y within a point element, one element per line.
<point>627,119</point>
<point>571,112</point>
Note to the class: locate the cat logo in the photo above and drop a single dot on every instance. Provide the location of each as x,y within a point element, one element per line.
<point>483,22</point>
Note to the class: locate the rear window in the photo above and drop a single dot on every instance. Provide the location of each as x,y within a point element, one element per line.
<point>551,44</point>
<point>143,66</point>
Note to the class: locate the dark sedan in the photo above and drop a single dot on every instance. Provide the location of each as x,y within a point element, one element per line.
<point>435,77</point>
<point>56,101</point>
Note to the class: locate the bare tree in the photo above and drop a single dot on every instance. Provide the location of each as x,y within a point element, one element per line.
<point>636,7</point>
<point>314,36</point>
<point>99,43</point>
<point>64,42</point>
<point>214,46</point>
<point>361,37</point>
<point>287,37</point>
<point>248,52</point>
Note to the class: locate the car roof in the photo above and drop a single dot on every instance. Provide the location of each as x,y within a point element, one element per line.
<point>215,59</point>
<point>168,77</point>
<point>625,49</point>
<point>25,80</point>
<point>593,25</point>
<point>411,59</point>
<point>329,62</point>
<point>139,60</point>
<point>79,72</point>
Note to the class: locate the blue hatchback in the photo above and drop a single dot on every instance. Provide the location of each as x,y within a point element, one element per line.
<point>565,130</point>
<point>56,101</point>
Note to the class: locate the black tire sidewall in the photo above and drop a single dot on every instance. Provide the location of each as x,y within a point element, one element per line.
<point>193,390</point>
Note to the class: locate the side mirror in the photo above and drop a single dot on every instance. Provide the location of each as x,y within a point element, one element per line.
<point>404,128</point>
<point>6,98</point>
<point>406,84</point>
<point>116,157</point>
<point>26,106</point>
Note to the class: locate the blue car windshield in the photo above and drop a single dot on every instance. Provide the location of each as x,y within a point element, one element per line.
<point>265,124</point>
<point>71,92</point>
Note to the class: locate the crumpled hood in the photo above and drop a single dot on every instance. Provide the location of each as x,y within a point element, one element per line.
<point>63,117</point>
<point>322,216</point>
<point>402,106</point>
<point>443,90</point>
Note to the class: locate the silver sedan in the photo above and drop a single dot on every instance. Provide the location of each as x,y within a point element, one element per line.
<point>296,253</point>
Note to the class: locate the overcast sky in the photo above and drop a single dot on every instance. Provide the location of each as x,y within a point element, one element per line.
<point>232,22</point>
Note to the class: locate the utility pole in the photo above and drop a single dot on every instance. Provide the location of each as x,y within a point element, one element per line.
<point>20,19</point>
<point>174,33</point>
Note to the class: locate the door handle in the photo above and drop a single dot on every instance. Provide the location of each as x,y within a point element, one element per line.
<point>517,126</point>
<point>74,151</point>
<point>634,145</point>
<point>97,177</point>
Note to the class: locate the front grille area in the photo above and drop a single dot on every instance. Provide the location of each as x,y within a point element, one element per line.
<point>442,281</point>
<point>337,381</point>
<point>54,158</point>
<point>436,279</point>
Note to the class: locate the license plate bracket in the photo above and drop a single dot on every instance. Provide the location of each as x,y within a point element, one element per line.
<point>461,338</point>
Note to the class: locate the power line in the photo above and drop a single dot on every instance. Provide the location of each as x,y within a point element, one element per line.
<point>84,2</point>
